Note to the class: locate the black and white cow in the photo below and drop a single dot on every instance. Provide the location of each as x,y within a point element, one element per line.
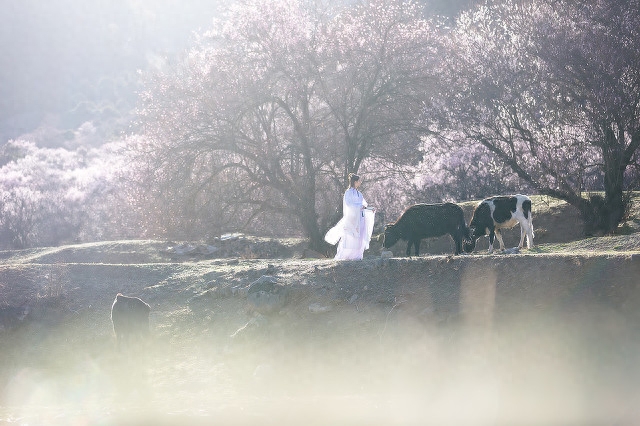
<point>496,213</point>
<point>425,221</point>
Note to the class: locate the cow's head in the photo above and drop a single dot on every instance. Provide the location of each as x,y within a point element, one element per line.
<point>471,238</point>
<point>469,245</point>
<point>467,241</point>
<point>391,236</point>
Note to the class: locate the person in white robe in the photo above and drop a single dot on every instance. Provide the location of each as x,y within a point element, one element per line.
<point>353,232</point>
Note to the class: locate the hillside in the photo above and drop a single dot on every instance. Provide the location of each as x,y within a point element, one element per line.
<point>548,336</point>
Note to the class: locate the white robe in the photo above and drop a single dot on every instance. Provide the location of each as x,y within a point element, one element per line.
<point>353,231</point>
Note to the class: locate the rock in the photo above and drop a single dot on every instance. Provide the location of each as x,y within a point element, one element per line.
<point>191,250</point>
<point>316,308</point>
<point>386,254</point>
<point>239,290</point>
<point>266,296</point>
<point>229,237</point>
<point>264,283</point>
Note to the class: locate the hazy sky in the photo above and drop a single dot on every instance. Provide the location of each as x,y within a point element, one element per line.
<point>56,54</point>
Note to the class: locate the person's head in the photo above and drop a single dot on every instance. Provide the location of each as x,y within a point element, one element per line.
<point>354,180</point>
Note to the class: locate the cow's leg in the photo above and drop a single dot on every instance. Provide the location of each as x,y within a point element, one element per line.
<point>523,232</point>
<point>457,239</point>
<point>526,229</point>
<point>499,236</point>
<point>417,243</point>
<point>409,244</point>
<point>492,237</point>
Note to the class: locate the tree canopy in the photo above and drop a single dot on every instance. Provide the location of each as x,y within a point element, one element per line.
<point>257,126</point>
<point>550,89</point>
<point>281,100</point>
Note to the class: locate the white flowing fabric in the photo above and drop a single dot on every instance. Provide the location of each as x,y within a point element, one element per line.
<point>353,231</point>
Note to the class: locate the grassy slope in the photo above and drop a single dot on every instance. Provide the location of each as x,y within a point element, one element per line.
<point>558,229</point>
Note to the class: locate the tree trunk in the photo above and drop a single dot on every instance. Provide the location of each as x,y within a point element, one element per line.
<point>308,219</point>
<point>601,215</point>
<point>610,210</point>
<point>305,208</point>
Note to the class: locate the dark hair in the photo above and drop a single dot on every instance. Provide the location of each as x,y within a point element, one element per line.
<point>353,178</point>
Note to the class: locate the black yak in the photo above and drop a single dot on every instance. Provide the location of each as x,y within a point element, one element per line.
<point>425,221</point>
<point>130,318</point>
